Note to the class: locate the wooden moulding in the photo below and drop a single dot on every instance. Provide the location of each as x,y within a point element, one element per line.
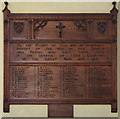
<point>6,12</point>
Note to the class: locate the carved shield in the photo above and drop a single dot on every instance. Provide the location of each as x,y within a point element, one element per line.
<point>101,26</point>
<point>18,27</point>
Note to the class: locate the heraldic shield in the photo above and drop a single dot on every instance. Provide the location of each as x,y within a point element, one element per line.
<point>101,27</point>
<point>18,27</point>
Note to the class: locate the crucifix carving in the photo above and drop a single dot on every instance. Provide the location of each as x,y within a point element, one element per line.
<point>60,26</point>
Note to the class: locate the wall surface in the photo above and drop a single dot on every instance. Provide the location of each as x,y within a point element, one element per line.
<point>54,7</point>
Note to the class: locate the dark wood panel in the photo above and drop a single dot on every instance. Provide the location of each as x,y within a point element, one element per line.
<point>19,29</point>
<point>69,29</point>
<point>99,79</point>
<point>60,52</point>
<point>35,82</point>
<point>60,110</point>
<point>73,84</point>
<point>100,91</point>
<point>59,82</point>
<point>102,29</point>
<point>78,29</point>
<point>99,75</point>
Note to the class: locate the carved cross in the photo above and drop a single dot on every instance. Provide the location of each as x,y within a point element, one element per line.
<point>60,26</point>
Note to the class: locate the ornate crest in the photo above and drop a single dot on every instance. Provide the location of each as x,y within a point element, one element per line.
<point>18,27</point>
<point>82,25</point>
<point>101,26</point>
<point>39,24</point>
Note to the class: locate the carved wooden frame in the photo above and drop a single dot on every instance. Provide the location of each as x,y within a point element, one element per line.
<point>59,17</point>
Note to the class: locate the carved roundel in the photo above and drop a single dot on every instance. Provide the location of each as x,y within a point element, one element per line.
<point>101,26</point>
<point>82,25</point>
<point>18,27</point>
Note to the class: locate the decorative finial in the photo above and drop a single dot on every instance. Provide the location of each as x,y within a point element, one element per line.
<point>114,12</point>
<point>114,3</point>
<point>6,6</point>
<point>114,9</point>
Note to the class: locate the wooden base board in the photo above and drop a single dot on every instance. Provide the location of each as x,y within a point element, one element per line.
<point>60,110</point>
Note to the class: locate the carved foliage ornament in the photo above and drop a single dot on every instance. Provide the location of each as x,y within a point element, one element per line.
<point>82,25</point>
<point>101,26</point>
<point>18,27</point>
<point>38,24</point>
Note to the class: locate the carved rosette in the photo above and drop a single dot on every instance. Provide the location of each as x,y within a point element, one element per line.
<point>81,25</point>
